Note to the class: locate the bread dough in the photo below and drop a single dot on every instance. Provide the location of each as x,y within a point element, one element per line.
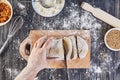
<point>74,47</point>
<point>82,47</point>
<point>56,50</point>
<point>68,47</point>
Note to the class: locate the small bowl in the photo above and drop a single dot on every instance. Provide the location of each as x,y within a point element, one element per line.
<point>106,39</point>
<point>47,12</point>
<point>8,3</point>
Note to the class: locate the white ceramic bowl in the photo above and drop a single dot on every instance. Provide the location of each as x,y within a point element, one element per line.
<point>48,12</point>
<point>106,41</point>
<point>7,2</point>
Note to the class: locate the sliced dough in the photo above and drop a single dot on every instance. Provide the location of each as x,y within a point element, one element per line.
<point>74,48</point>
<point>56,50</point>
<point>68,47</point>
<point>82,47</point>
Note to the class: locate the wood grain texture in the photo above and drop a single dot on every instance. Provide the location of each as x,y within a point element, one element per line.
<point>11,63</point>
<point>78,63</point>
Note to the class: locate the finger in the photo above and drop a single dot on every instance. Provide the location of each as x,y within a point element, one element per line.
<point>48,43</point>
<point>35,45</point>
<point>43,53</point>
<point>41,41</point>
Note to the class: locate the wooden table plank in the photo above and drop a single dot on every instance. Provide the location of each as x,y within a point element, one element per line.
<point>11,63</point>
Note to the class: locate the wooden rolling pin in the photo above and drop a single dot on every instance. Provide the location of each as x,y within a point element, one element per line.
<point>102,15</point>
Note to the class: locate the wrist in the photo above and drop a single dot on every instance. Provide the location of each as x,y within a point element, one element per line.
<point>33,69</point>
<point>28,73</point>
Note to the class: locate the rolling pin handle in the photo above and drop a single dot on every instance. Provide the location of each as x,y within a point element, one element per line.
<point>87,7</point>
<point>102,15</point>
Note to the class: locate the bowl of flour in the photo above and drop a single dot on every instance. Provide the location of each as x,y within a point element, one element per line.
<point>48,8</point>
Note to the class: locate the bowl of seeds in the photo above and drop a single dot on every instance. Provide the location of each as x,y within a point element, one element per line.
<point>112,39</point>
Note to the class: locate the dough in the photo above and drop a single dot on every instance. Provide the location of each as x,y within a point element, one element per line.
<point>56,50</point>
<point>68,47</point>
<point>74,48</point>
<point>82,47</point>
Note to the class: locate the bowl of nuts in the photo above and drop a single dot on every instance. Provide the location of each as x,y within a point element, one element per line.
<point>6,12</point>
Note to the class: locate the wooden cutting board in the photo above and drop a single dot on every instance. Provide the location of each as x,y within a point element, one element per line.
<point>27,45</point>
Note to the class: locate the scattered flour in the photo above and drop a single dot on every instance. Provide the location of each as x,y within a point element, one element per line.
<point>36,78</point>
<point>16,46</point>
<point>75,19</point>
<point>12,72</point>
<point>93,71</point>
<point>88,22</point>
<point>16,42</point>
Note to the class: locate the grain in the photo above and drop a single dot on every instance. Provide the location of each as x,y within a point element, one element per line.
<point>113,39</point>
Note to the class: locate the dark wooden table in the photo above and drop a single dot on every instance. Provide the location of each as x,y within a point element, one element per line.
<point>104,62</point>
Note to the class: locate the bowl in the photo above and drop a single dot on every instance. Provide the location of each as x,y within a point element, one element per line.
<point>113,41</point>
<point>8,3</point>
<point>48,12</point>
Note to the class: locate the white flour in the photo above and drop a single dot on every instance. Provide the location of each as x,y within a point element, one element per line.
<point>16,47</point>
<point>36,78</point>
<point>75,19</point>
<point>55,6</point>
<point>17,43</point>
<point>12,72</point>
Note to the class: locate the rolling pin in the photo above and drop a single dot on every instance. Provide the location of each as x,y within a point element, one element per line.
<point>102,15</point>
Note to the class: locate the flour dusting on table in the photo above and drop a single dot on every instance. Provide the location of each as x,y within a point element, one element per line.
<point>12,72</point>
<point>16,42</point>
<point>36,78</point>
<point>76,18</point>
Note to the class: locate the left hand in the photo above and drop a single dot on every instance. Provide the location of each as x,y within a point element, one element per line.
<point>37,59</point>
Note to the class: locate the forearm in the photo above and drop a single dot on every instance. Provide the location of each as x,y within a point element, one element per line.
<point>27,74</point>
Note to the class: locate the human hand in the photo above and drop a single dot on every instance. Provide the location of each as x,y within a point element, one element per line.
<point>37,59</point>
